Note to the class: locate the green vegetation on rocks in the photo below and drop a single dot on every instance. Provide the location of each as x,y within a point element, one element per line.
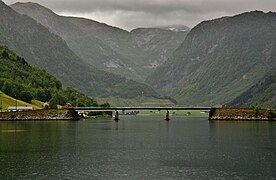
<point>242,114</point>
<point>53,114</point>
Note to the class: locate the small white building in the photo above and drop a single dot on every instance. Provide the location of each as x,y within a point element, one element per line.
<point>19,108</point>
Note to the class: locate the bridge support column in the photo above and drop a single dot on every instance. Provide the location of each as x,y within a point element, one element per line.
<point>167,115</point>
<point>116,118</point>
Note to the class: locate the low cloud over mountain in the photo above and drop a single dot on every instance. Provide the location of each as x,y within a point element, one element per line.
<point>130,14</point>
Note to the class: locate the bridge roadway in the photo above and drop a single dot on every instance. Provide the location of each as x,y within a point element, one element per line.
<point>141,108</point>
<point>116,109</point>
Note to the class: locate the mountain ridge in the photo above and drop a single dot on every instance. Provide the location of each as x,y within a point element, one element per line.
<point>46,50</point>
<point>123,56</point>
<point>219,59</point>
<point>214,63</point>
<point>90,48</point>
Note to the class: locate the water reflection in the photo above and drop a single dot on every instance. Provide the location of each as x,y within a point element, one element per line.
<point>252,132</point>
<point>25,153</point>
<point>250,145</point>
<point>138,148</point>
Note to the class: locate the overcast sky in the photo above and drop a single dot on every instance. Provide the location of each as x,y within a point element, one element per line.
<point>130,14</point>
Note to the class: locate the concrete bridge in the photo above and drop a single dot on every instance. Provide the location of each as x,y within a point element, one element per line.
<point>116,109</point>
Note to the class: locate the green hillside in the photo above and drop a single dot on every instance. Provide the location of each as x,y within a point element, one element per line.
<point>6,101</point>
<point>30,85</point>
<point>23,81</point>
<point>263,94</point>
<point>48,51</point>
<point>220,59</point>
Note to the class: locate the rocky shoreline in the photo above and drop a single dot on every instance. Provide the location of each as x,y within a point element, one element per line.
<point>239,114</point>
<point>52,114</point>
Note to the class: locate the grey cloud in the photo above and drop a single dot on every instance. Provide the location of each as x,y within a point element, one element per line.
<point>156,6</point>
<point>135,13</point>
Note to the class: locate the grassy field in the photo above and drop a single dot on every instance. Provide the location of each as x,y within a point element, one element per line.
<point>173,113</point>
<point>150,102</point>
<point>6,101</point>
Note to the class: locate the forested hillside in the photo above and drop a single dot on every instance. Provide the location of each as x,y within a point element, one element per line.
<point>25,82</point>
<point>21,80</point>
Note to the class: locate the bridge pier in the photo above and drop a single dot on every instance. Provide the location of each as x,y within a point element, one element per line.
<point>167,115</point>
<point>116,118</point>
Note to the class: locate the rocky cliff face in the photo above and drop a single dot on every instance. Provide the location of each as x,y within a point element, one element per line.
<point>156,44</point>
<point>220,59</point>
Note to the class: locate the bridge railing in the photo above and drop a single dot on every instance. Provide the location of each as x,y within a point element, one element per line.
<point>139,108</point>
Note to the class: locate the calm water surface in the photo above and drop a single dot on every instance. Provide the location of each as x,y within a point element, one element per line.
<point>138,148</point>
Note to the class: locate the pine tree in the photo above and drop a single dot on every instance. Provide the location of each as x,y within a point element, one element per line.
<point>5,54</point>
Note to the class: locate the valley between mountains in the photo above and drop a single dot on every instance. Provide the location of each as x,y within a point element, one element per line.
<point>226,61</point>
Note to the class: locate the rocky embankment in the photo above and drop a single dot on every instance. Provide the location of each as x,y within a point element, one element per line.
<point>53,114</point>
<point>242,114</point>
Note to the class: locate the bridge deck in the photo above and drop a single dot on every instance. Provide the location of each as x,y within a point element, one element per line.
<point>140,108</point>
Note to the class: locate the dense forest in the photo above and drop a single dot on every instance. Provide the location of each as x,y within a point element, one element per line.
<point>25,82</point>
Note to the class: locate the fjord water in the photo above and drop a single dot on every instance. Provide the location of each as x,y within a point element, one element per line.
<point>138,148</point>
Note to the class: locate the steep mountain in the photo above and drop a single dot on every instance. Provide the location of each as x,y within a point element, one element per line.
<point>88,47</point>
<point>156,45</point>
<point>220,59</point>
<point>145,48</point>
<point>263,93</point>
<point>46,50</point>
<point>109,48</point>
